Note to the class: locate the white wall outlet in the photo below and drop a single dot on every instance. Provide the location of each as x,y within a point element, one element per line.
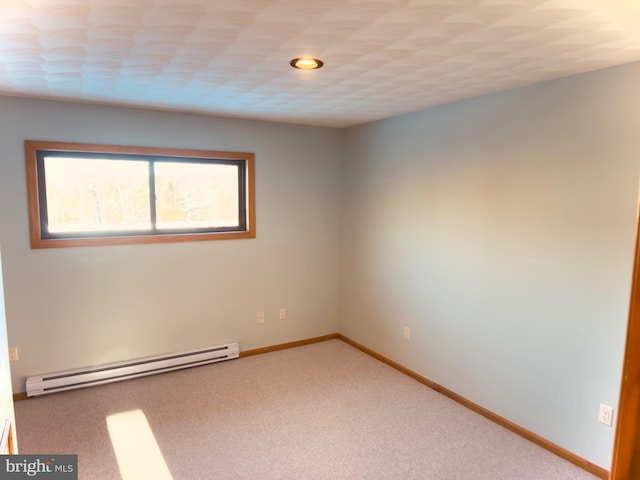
<point>283,314</point>
<point>606,414</point>
<point>13,354</point>
<point>407,333</point>
<point>260,318</point>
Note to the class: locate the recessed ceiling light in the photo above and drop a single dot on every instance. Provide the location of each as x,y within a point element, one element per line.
<point>306,63</point>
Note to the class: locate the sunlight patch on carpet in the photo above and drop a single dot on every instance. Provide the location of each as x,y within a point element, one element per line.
<point>136,448</point>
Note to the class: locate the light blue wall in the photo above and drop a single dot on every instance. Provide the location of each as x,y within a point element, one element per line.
<point>6,398</point>
<point>501,231</point>
<point>73,307</point>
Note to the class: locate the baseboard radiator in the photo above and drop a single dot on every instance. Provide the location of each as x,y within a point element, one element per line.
<point>113,372</point>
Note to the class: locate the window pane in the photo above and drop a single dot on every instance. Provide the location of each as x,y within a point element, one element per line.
<point>196,195</point>
<point>96,195</point>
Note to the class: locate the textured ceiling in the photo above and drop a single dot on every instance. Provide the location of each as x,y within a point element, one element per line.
<point>231,57</point>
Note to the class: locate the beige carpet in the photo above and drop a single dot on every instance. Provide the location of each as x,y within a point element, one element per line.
<point>322,411</point>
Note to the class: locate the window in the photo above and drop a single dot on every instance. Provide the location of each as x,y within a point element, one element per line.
<point>82,195</point>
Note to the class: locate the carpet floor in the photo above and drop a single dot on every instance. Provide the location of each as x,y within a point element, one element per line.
<point>321,411</point>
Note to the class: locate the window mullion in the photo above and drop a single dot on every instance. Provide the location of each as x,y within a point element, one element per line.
<point>242,197</point>
<point>152,195</point>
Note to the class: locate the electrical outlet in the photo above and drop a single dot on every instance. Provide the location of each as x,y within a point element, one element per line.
<point>260,318</point>
<point>407,333</point>
<point>13,354</point>
<point>283,314</point>
<point>606,414</point>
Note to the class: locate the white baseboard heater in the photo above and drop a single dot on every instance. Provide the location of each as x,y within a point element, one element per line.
<point>113,372</point>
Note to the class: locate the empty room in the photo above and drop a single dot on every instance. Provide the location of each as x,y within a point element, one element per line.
<point>295,239</point>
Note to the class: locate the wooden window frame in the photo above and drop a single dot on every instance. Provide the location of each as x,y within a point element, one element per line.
<point>38,240</point>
